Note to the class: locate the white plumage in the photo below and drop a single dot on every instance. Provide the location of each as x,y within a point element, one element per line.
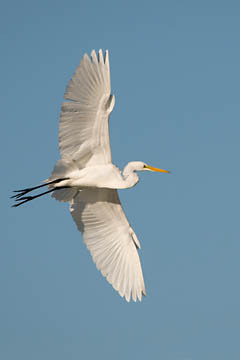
<point>83,128</point>
<point>86,177</point>
<point>110,239</point>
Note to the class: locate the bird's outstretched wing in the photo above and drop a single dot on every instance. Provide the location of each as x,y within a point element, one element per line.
<point>110,239</point>
<point>83,127</point>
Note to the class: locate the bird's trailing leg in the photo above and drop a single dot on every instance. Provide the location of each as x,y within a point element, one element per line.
<point>29,198</point>
<point>21,193</point>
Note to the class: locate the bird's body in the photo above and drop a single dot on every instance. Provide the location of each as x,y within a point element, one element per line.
<point>87,179</point>
<point>100,176</point>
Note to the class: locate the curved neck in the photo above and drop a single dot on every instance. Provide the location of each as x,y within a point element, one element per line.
<point>130,177</point>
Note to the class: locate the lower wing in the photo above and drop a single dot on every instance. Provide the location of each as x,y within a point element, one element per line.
<point>110,239</point>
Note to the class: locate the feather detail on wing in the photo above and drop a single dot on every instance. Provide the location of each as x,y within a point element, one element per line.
<point>83,127</point>
<point>110,239</point>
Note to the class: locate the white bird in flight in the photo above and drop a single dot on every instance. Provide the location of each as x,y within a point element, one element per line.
<point>87,179</point>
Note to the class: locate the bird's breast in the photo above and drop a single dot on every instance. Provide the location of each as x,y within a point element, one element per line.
<point>105,176</point>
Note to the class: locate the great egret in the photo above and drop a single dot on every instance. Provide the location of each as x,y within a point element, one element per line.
<point>86,177</point>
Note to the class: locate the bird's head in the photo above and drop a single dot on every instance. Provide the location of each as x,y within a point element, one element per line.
<point>141,166</point>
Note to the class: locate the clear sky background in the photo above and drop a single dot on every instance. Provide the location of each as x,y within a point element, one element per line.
<point>175,74</point>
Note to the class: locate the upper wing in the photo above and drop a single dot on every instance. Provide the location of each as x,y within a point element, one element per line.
<point>83,127</point>
<point>110,239</point>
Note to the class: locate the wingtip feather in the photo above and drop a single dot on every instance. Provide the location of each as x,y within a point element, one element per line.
<point>100,57</point>
<point>86,57</point>
<point>106,58</point>
<point>94,57</point>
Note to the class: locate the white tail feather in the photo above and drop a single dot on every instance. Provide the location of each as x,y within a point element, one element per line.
<point>62,169</point>
<point>64,194</point>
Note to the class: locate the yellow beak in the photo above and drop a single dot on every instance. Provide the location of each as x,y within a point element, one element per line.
<point>156,169</point>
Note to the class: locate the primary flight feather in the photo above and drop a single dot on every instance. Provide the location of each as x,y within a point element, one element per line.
<point>87,179</point>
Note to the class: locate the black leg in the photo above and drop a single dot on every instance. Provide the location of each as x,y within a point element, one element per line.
<point>27,190</point>
<point>30,198</point>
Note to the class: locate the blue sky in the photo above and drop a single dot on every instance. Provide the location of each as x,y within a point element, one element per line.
<point>175,74</point>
